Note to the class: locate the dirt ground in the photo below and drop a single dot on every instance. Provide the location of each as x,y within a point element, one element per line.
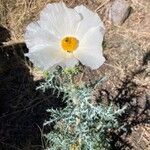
<point>127,72</point>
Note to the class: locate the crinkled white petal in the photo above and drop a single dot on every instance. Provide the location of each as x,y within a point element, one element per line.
<point>93,38</point>
<point>36,37</point>
<point>45,58</point>
<point>59,19</point>
<point>92,60</point>
<point>89,20</point>
<point>90,51</point>
<point>69,60</point>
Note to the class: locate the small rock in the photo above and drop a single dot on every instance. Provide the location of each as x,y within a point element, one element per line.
<point>119,11</point>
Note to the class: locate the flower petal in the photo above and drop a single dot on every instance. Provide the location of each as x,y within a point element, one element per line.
<point>89,20</point>
<point>91,60</point>
<point>59,19</point>
<point>93,38</point>
<point>36,37</point>
<point>90,51</point>
<point>69,60</point>
<point>45,58</point>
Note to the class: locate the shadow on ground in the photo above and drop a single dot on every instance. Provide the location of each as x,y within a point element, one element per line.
<point>22,107</point>
<point>4,35</point>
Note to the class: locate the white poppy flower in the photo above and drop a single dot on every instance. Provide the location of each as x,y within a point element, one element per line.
<point>64,36</point>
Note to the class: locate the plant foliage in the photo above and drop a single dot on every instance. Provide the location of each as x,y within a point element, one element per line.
<point>82,124</point>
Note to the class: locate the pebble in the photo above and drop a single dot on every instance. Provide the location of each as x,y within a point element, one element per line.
<point>119,11</point>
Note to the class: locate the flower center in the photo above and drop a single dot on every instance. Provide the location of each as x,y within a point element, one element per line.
<point>69,44</point>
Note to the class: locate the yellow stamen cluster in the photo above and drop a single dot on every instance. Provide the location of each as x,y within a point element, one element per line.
<point>69,44</point>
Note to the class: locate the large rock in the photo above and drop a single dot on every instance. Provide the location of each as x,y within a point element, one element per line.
<point>119,11</point>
